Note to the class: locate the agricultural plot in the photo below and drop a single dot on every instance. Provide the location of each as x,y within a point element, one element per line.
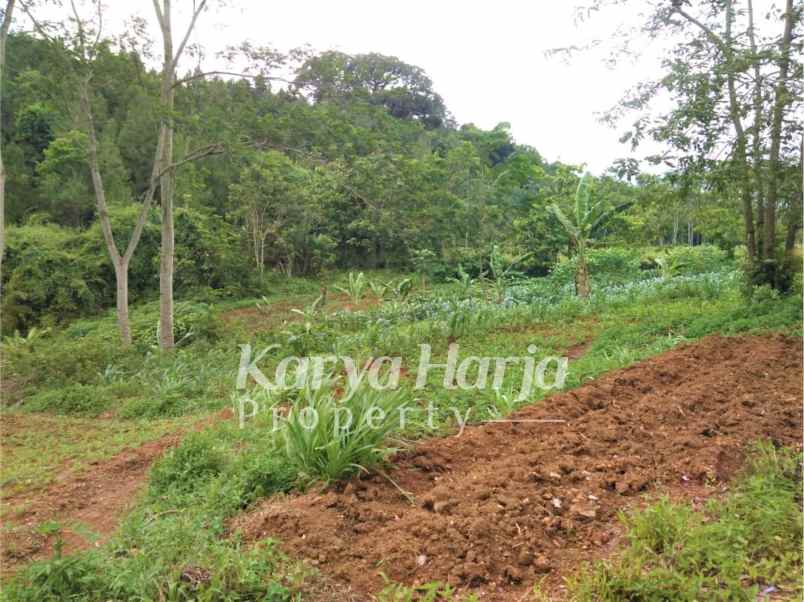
<point>674,388</point>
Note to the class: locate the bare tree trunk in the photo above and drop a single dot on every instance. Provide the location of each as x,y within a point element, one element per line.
<point>121,281</point>
<point>582,288</point>
<point>7,15</point>
<point>167,250</point>
<point>756,140</point>
<point>796,217</point>
<point>781,100</point>
<point>167,171</point>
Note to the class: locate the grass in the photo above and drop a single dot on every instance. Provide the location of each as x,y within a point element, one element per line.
<point>736,548</point>
<point>72,444</point>
<point>349,435</point>
<point>174,545</point>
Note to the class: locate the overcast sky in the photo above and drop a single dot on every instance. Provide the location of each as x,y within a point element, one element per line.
<point>486,59</point>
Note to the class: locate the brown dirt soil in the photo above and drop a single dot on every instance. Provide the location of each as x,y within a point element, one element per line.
<point>88,505</point>
<point>258,320</point>
<point>506,505</point>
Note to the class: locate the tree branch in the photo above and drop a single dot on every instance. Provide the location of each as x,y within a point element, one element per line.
<point>233,74</point>
<point>189,31</point>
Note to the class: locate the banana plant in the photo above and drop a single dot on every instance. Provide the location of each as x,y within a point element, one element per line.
<point>669,266</point>
<point>585,222</point>
<point>380,289</point>
<point>501,271</point>
<point>312,311</point>
<point>391,290</point>
<point>465,282</point>
<point>355,287</point>
<point>403,288</point>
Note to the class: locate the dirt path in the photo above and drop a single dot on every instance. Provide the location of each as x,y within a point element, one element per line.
<point>508,504</point>
<point>88,506</point>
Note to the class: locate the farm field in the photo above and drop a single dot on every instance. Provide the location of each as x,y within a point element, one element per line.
<point>671,386</point>
<point>417,302</point>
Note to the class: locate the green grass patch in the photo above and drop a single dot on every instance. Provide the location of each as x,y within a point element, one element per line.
<point>739,546</point>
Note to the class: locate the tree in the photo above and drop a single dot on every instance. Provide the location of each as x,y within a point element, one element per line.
<point>79,64</point>
<point>733,91</point>
<point>163,166</point>
<point>586,221</point>
<point>4,28</point>
<point>403,89</point>
<point>267,198</point>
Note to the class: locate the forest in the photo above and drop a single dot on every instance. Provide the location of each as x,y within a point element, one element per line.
<point>165,213</point>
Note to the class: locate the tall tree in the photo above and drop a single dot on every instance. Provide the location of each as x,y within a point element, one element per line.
<point>164,164</point>
<point>4,29</point>
<point>84,50</point>
<point>734,88</point>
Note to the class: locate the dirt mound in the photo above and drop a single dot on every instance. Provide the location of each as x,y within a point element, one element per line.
<point>507,504</point>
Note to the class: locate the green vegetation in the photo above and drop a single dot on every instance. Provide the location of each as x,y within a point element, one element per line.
<point>177,529</point>
<point>733,549</point>
<point>166,224</point>
<point>346,436</point>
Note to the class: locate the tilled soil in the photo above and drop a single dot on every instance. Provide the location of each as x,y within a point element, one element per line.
<point>508,504</point>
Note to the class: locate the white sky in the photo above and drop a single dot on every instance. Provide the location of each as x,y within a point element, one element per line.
<point>485,59</point>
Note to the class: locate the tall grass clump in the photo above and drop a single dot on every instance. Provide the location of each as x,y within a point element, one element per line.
<point>327,438</point>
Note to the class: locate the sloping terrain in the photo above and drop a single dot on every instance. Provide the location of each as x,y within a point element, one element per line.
<point>507,504</point>
<point>85,507</point>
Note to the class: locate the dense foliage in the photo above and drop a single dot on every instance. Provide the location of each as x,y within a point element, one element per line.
<point>354,164</point>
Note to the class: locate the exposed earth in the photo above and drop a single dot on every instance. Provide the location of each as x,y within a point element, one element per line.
<point>87,506</point>
<point>506,505</point>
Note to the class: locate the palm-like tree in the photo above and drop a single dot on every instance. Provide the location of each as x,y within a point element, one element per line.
<point>587,220</point>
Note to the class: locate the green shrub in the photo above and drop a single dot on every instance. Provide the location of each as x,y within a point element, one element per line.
<point>49,278</point>
<point>608,264</point>
<point>260,473</point>
<point>192,321</point>
<point>61,361</point>
<point>54,274</point>
<point>691,260</point>
<point>78,399</point>
<point>195,461</point>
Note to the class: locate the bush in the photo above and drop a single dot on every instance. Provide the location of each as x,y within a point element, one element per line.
<point>48,278</point>
<point>54,274</point>
<point>610,264</point>
<point>84,400</point>
<point>61,361</point>
<point>691,260</point>
<point>198,459</point>
<point>191,322</point>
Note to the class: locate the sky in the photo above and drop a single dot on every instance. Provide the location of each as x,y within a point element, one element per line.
<point>486,59</point>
